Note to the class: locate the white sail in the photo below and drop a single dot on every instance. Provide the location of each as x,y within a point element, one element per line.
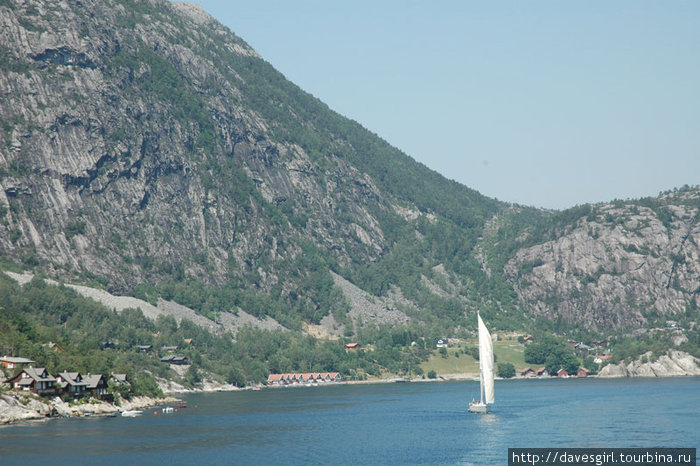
<point>486,363</point>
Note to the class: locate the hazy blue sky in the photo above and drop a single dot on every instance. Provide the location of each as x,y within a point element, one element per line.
<point>550,104</point>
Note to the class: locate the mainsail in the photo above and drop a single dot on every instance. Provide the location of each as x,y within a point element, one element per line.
<point>486,363</point>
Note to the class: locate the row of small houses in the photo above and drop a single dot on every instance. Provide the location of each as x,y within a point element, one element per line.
<point>39,381</point>
<point>305,378</point>
<point>542,372</point>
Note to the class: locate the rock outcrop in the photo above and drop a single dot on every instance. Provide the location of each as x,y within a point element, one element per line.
<point>226,322</point>
<point>18,407</point>
<point>674,363</point>
<point>618,265</point>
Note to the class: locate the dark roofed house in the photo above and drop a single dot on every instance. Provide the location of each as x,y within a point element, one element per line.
<point>120,379</point>
<point>144,348</point>
<point>36,380</point>
<point>178,360</point>
<point>97,387</point>
<point>528,373</point>
<point>71,383</point>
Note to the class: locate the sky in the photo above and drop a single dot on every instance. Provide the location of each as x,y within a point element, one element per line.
<point>543,103</point>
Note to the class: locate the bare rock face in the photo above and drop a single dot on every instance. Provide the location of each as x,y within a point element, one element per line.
<point>227,322</point>
<point>14,409</point>
<point>675,363</point>
<point>128,152</point>
<point>617,266</point>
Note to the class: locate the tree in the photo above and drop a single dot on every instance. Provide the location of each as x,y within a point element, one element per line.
<point>144,384</point>
<point>506,370</point>
<point>235,377</point>
<point>192,376</point>
<point>432,374</point>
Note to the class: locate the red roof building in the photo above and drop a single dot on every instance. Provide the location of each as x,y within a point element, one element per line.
<point>11,362</point>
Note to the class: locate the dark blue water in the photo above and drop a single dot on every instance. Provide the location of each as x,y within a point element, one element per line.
<point>415,423</point>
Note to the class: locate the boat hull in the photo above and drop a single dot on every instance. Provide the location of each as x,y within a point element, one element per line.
<point>478,408</point>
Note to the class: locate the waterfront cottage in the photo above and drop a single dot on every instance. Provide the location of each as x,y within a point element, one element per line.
<point>71,383</point>
<point>97,387</point>
<point>274,379</point>
<point>528,373</point>
<point>562,373</point>
<point>582,372</point>
<point>36,380</point>
<point>542,372</point>
<point>307,377</point>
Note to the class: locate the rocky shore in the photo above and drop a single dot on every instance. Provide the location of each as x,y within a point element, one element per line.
<point>18,407</point>
<point>672,364</point>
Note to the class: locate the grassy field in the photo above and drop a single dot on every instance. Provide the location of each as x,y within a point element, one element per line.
<point>506,351</point>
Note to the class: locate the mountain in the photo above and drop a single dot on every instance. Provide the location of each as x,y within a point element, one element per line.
<point>147,150</point>
<point>622,264</point>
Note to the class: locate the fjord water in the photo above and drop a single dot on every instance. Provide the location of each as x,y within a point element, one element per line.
<point>403,423</point>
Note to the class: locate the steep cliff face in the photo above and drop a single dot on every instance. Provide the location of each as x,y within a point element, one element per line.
<point>618,265</point>
<point>127,151</point>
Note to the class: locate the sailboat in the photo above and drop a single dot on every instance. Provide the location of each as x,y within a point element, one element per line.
<point>485,371</point>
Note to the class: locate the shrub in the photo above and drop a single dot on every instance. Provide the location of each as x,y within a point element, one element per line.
<point>506,370</point>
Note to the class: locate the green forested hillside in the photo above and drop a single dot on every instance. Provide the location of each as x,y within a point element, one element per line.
<point>93,339</point>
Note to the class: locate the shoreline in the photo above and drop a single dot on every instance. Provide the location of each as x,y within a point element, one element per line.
<point>20,408</point>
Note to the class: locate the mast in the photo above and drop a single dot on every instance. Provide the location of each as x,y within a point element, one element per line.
<point>481,380</point>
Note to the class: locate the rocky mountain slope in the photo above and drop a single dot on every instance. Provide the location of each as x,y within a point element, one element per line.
<point>619,264</point>
<point>147,150</point>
